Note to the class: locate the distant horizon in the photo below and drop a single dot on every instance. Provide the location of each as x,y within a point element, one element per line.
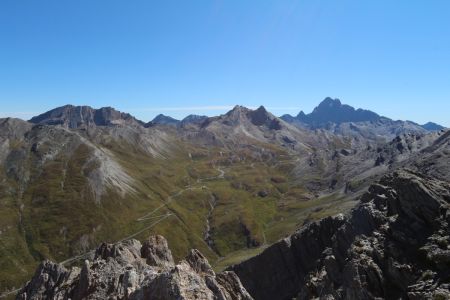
<point>209,111</point>
<point>150,57</point>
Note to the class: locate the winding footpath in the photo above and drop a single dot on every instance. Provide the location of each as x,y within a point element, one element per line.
<point>149,216</point>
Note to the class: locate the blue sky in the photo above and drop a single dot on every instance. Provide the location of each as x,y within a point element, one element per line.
<point>182,57</point>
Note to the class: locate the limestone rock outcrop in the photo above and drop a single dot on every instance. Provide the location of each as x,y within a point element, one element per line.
<point>129,270</point>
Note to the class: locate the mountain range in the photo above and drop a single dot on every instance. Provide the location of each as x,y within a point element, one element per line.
<point>229,186</point>
<point>332,111</point>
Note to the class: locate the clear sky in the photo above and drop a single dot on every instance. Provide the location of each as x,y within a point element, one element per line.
<point>181,57</point>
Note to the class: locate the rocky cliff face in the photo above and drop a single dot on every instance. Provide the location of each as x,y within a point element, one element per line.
<point>129,270</point>
<point>84,116</point>
<point>394,244</point>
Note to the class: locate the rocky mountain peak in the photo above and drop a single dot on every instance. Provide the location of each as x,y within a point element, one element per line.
<point>130,270</point>
<point>193,119</point>
<point>430,126</point>
<point>262,109</point>
<point>259,116</point>
<point>301,114</point>
<point>235,116</point>
<point>85,116</point>
<point>237,110</point>
<point>162,119</point>
<point>329,102</point>
<point>342,119</point>
<point>332,110</point>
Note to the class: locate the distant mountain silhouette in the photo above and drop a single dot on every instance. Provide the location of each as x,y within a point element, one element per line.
<point>430,126</point>
<point>331,114</point>
<point>332,110</point>
<point>193,119</point>
<point>164,120</point>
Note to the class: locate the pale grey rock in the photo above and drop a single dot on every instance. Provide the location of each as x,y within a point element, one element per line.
<point>199,263</point>
<point>128,270</point>
<point>156,252</point>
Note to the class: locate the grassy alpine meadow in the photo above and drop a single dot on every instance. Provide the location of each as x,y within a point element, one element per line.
<point>239,201</point>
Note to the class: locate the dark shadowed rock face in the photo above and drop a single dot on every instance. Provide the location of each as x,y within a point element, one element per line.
<point>259,116</point>
<point>163,120</point>
<point>193,119</point>
<point>344,120</point>
<point>84,116</point>
<point>395,244</point>
<point>332,110</point>
<point>128,270</point>
<point>430,126</point>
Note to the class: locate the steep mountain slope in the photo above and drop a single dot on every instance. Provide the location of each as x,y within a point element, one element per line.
<point>433,160</point>
<point>360,165</point>
<point>227,185</point>
<point>393,245</point>
<point>64,188</point>
<point>60,191</point>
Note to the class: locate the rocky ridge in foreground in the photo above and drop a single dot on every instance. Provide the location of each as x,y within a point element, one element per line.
<point>394,244</point>
<point>129,270</point>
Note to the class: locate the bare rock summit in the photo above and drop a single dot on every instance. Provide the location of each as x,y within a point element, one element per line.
<point>130,270</point>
